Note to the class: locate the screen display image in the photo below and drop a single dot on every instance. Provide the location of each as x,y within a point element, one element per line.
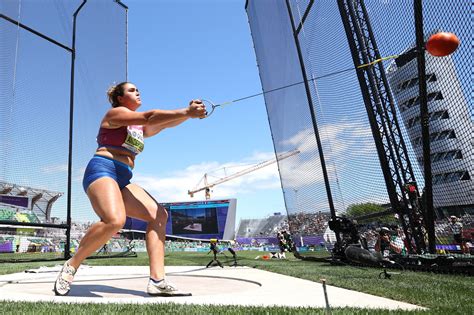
<point>201,219</point>
<point>194,221</point>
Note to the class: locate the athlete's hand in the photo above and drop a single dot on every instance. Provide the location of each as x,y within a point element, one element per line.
<point>196,109</point>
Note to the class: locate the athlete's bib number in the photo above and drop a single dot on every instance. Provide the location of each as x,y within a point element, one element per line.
<point>134,140</point>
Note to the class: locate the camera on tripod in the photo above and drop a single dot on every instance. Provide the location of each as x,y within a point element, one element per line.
<point>214,248</point>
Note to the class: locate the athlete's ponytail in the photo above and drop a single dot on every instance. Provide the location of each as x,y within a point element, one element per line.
<point>114,92</point>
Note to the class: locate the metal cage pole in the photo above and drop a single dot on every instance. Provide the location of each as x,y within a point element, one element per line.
<point>425,127</point>
<point>396,166</point>
<point>66,226</point>
<point>120,3</point>
<point>311,108</point>
<point>67,253</point>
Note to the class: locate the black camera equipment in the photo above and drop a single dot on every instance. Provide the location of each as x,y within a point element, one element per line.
<point>365,257</point>
<point>234,256</point>
<point>385,231</point>
<point>347,229</point>
<point>214,250</point>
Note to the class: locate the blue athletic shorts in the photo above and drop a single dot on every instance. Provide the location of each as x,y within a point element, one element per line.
<point>101,166</point>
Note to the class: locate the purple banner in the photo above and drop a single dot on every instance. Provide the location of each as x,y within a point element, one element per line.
<point>259,240</point>
<point>14,200</point>
<point>314,240</point>
<point>6,247</point>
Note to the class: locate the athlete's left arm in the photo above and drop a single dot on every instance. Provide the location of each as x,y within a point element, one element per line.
<point>151,130</point>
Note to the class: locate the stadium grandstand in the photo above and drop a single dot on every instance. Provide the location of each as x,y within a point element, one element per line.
<point>31,207</point>
<point>306,228</point>
<point>309,224</point>
<point>26,204</point>
<point>261,227</point>
<point>302,223</point>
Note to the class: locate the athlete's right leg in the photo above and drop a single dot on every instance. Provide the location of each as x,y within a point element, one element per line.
<point>106,199</point>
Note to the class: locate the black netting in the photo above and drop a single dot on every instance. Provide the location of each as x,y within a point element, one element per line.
<point>35,82</point>
<point>355,168</point>
<point>100,62</point>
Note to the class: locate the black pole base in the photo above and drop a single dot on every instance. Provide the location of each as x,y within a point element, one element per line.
<point>214,262</point>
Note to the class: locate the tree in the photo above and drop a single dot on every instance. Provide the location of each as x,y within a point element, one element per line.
<point>359,209</point>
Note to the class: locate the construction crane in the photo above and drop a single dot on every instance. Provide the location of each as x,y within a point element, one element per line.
<point>207,186</point>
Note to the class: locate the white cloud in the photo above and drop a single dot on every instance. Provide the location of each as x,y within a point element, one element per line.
<point>57,168</point>
<point>341,143</point>
<point>77,175</point>
<point>174,186</point>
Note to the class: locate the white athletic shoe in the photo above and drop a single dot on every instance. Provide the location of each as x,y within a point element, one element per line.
<point>164,288</point>
<point>62,286</point>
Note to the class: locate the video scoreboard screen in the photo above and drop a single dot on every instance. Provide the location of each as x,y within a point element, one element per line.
<point>196,219</point>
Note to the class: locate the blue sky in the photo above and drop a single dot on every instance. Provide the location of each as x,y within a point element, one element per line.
<point>180,50</point>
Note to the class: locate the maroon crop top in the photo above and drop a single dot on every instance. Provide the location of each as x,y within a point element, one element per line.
<point>129,138</point>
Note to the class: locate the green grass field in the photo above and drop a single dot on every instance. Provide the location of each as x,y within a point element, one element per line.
<point>442,294</point>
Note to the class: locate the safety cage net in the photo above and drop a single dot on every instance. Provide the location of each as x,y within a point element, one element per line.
<point>341,86</point>
<point>57,59</point>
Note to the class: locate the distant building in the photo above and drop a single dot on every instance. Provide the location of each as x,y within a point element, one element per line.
<point>451,128</point>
